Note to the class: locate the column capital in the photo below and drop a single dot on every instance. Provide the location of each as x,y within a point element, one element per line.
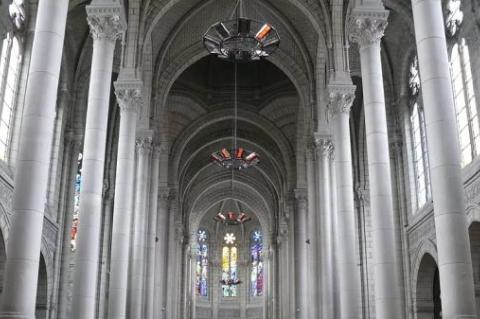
<point>129,95</point>
<point>163,194</point>
<point>106,21</point>
<point>143,144</point>
<point>324,144</point>
<point>341,97</point>
<point>301,196</point>
<point>367,26</point>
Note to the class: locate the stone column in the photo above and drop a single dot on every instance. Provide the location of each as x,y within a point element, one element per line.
<point>324,149</point>
<point>367,29</point>
<point>106,26</point>
<point>341,99</point>
<point>138,259</point>
<point>312,236</point>
<point>129,100</point>
<point>454,259</point>
<point>301,259</point>
<point>161,252</point>
<point>33,162</point>
<point>152,236</point>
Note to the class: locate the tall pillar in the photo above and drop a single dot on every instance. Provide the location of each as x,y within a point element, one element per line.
<point>138,260</point>
<point>161,253</point>
<point>312,236</point>
<point>129,100</point>
<point>324,149</point>
<point>301,259</point>
<point>454,259</point>
<point>341,99</point>
<point>33,162</point>
<point>152,236</point>
<point>367,29</point>
<point>106,25</point>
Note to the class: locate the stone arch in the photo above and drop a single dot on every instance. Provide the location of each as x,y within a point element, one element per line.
<point>3,260</point>
<point>41,307</point>
<point>474,234</point>
<point>427,289</point>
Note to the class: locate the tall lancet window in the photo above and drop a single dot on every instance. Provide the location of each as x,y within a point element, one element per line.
<point>256,260</point>
<point>419,139</point>
<point>10,62</point>
<point>202,263</point>
<point>454,17</point>
<point>229,266</point>
<point>76,203</point>
<point>465,103</point>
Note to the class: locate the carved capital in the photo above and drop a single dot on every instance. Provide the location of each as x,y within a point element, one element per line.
<point>163,194</point>
<point>143,144</point>
<point>367,27</point>
<point>324,145</point>
<point>107,22</point>
<point>129,95</point>
<point>301,198</point>
<point>341,98</point>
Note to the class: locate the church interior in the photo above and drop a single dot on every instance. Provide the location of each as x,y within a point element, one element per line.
<point>239,159</point>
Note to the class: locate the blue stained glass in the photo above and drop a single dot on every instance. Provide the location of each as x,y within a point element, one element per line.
<point>256,260</point>
<point>202,264</point>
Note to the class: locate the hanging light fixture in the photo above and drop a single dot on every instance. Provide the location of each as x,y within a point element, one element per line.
<point>240,38</point>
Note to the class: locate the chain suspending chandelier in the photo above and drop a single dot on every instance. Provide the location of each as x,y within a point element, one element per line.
<point>240,38</point>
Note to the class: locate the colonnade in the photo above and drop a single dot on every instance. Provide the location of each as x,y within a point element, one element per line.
<point>333,174</point>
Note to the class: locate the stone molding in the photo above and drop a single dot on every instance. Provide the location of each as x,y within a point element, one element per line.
<point>367,27</point>
<point>129,95</point>
<point>341,97</point>
<point>106,22</point>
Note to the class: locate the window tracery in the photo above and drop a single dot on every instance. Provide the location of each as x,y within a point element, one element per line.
<point>229,266</point>
<point>465,102</point>
<point>419,139</point>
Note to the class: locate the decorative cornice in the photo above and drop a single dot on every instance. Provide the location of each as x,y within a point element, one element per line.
<point>129,95</point>
<point>341,97</point>
<point>106,21</point>
<point>366,27</point>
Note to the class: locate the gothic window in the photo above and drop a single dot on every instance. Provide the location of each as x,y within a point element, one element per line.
<point>256,259</point>
<point>454,17</point>
<point>229,266</point>
<point>419,140</point>
<point>465,103</point>
<point>202,263</point>
<point>10,61</point>
<point>9,70</point>
<point>76,203</point>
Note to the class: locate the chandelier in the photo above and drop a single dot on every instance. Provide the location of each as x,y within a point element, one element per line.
<point>232,218</point>
<point>237,158</point>
<point>240,38</point>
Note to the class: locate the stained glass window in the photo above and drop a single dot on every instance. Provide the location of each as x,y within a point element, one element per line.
<point>10,61</point>
<point>419,139</point>
<point>256,259</point>
<point>202,263</point>
<point>76,203</point>
<point>229,266</point>
<point>465,103</point>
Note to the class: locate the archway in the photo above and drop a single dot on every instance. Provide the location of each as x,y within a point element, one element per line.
<point>42,291</point>
<point>474,232</point>
<point>428,302</point>
<point>3,259</point>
